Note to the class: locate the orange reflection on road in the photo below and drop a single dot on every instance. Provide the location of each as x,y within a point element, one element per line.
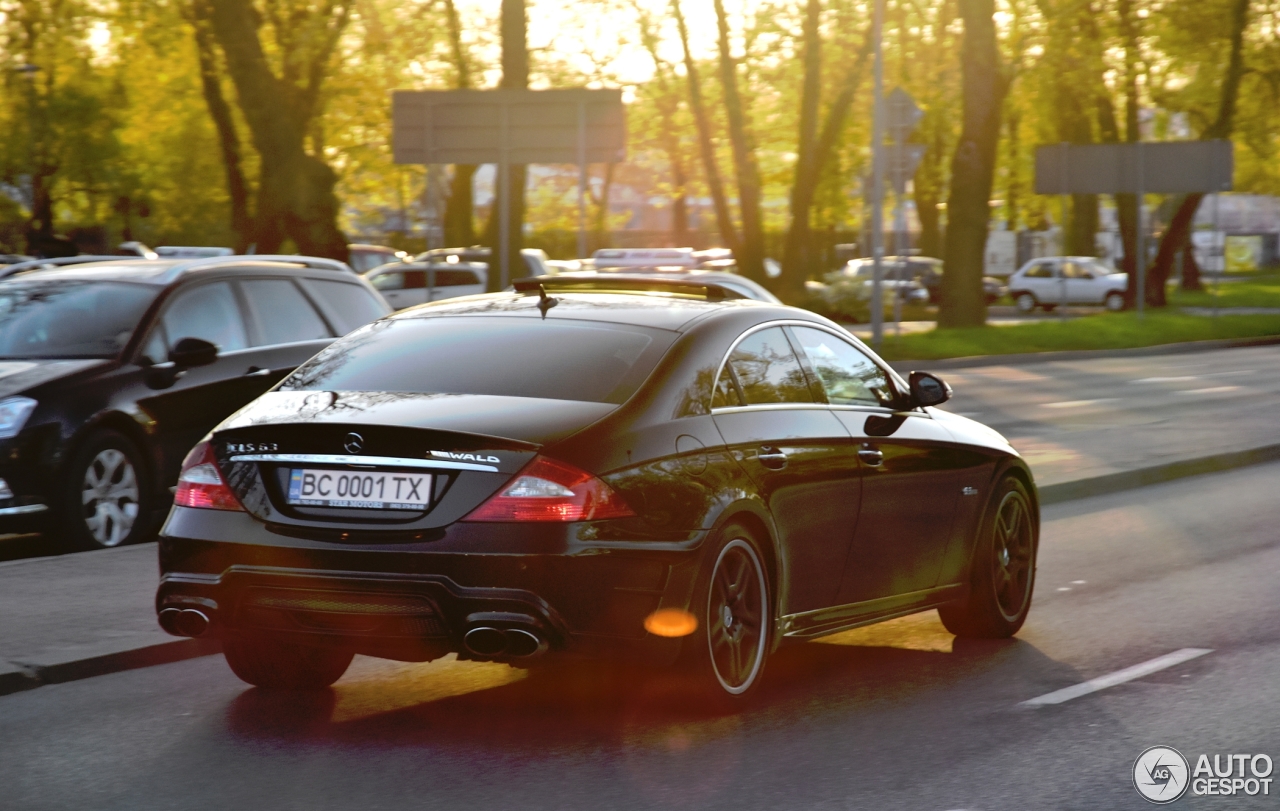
<point>916,632</point>
<point>374,686</point>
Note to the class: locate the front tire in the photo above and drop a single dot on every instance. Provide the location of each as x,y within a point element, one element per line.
<point>1002,575</point>
<point>1114,302</point>
<point>1025,302</point>
<point>107,497</point>
<point>264,661</point>
<point>732,602</point>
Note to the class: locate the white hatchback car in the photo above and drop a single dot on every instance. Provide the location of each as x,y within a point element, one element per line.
<point>404,284</point>
<point>1054,280</point>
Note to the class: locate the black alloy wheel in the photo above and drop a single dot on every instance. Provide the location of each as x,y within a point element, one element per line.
<point>106,494</point>
<point>728,650</point>
<point>1003,571</point>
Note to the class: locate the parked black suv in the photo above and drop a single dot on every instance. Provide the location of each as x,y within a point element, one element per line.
<point>111,372</point>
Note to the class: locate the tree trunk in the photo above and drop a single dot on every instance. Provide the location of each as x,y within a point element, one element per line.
<point>715,185</point>
<point>1178,234</point>
<point>459,208</point>
<point>973,168</point>
<point>295,191</point>
<point>220,112</point>
<point>1083,225</point>
<point>750,256</point>
<point>515,75</point>
<point>814,150</point>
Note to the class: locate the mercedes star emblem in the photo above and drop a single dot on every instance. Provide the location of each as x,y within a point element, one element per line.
<point>354,443</point>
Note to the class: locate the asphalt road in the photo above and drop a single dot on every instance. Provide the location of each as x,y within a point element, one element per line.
<point>896,716</point>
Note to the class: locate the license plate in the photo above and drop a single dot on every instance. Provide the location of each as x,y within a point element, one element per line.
<point>371,490</point>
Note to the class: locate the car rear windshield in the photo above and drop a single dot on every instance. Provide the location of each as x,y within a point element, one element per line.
<point>69,318</point>
<point>513,357</point>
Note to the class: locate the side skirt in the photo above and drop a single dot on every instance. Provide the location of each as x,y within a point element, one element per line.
<point>825,621</point>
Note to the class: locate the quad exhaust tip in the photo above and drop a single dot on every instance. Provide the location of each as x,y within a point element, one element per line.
<point>489,642</point>
<point>184,621</point>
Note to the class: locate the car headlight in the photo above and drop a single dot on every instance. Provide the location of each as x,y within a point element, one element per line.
<point>14,412</point>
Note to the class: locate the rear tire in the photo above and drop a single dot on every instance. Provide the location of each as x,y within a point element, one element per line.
<point>732,602</point>
<point>264,661</point>
<point>107,495</point>
<point>1002,575</point>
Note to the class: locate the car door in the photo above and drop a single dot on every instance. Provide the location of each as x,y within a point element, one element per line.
<point>795,452</point>
<point>198,398</point>
<point>1082,287</point>
<point>909,473</point>
<point>1041,281</point>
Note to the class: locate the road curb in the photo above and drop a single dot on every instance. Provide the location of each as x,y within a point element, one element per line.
<point>17,676</point>
<point>1156,474</point>
<point>942,364</point>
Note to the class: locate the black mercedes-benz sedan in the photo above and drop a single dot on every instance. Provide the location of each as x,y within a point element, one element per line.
<point>658,477</point>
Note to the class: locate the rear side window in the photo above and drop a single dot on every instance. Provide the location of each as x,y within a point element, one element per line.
<point>346,305</point>
<point>455,278</point>
<point>208,312</point>
<point>282,313</point>
<point>767,370</point>
<point>513,357</point>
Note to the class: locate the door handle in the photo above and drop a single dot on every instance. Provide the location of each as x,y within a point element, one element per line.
<point>771,457</point>
<point>255,371</point>
<point>871,456</point>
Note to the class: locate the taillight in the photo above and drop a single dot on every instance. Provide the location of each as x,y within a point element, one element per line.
<point>200,484</point>
<point>550,490</point>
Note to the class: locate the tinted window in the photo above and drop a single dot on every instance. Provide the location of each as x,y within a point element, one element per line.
<point>767,370</point>
<point>516,357</point>
<point>454,278</point>
<point>282,313</point>
<point>848,376</point>
<point>388,281</point>
<point>208,312</point>
<point>69,319</point>
<point>347,305</point>
<point>1040,270</point>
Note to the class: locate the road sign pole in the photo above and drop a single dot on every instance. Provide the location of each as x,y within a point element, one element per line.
<point>877,178</point>
<point>504,203</point>
<point>582,180</point>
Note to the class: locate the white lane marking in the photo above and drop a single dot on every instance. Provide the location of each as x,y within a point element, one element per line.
<point>1164,379</point>
<point>1079,403</point>
<point>1230,374</point>
<point>1119,677</point>
<point>1078,582</point>
<point>1214,390</point>
<point>1064,588</point>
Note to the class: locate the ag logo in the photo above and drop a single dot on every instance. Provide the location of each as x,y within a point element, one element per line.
<point>354,443</point>
<point>1161,774</point>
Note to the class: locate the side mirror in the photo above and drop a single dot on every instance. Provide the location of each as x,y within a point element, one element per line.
<point>189,353</point>
<point>928,390</point>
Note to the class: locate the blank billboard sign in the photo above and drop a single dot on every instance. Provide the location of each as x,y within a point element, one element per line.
<point>1170,167</point>
<point>529,126</point>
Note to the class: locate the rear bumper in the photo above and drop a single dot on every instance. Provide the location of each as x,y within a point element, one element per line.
<point>417,601</point>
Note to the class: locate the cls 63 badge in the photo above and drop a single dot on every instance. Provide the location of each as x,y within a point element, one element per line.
<point>252,447</point>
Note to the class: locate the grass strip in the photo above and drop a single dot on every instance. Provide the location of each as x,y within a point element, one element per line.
<point>1103,331</point>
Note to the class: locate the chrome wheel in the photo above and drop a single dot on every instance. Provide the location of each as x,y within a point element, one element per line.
<point>109,494</point>
<point>1012,559</point>
<point>737,617</point>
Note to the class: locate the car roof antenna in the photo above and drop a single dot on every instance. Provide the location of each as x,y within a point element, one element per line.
<point>545,302</point>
